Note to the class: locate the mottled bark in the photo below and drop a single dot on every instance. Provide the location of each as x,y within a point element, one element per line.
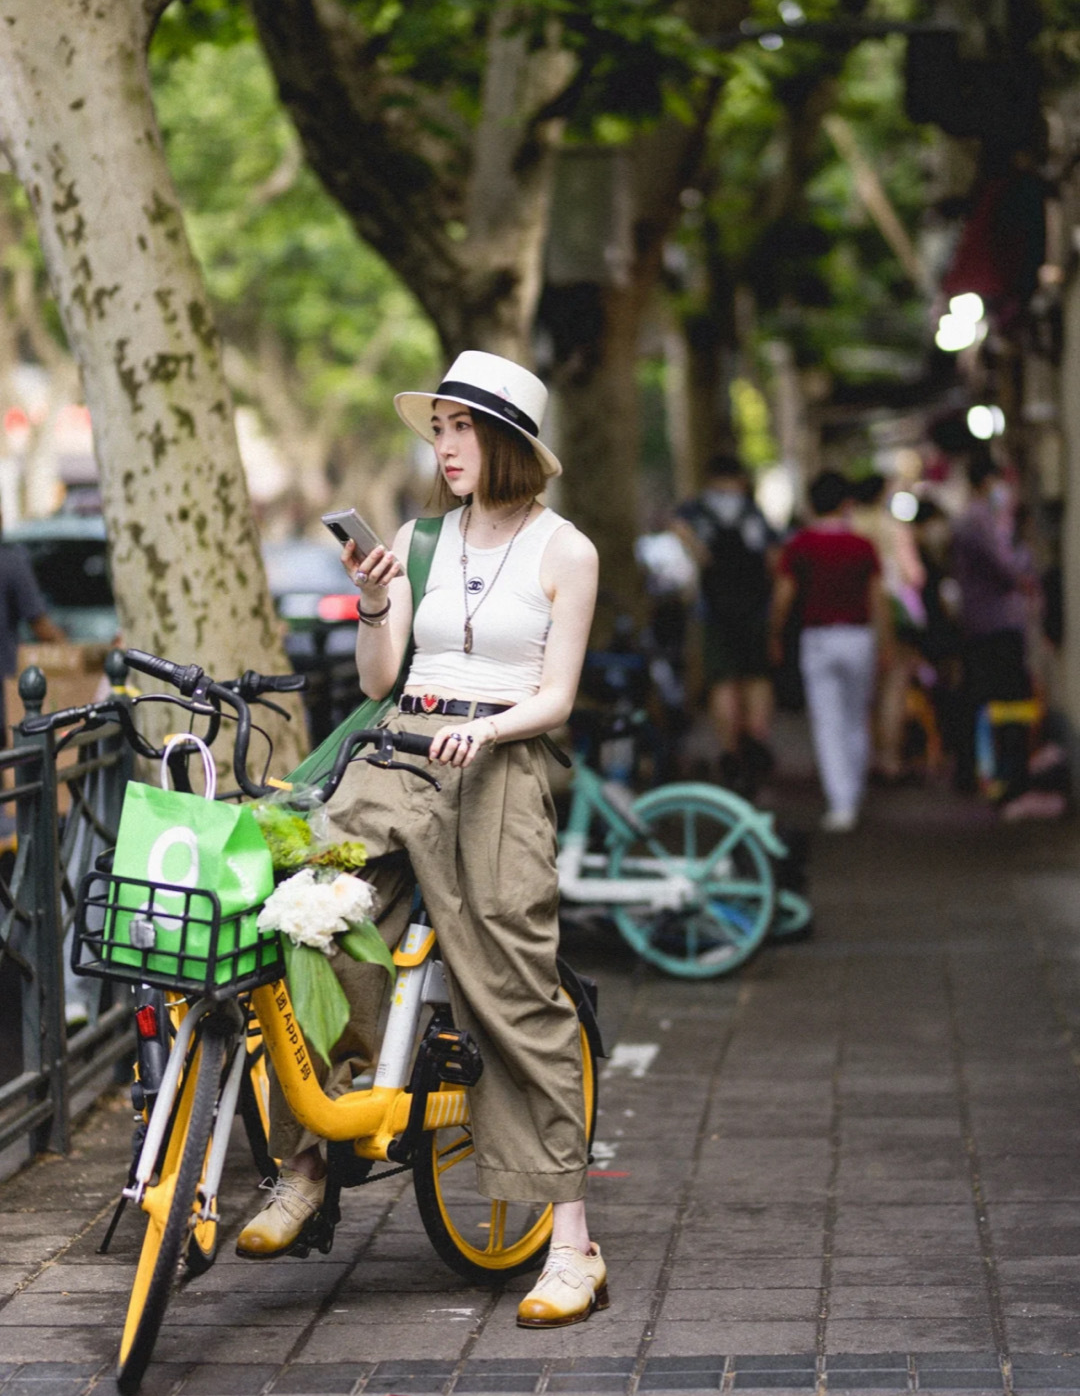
<point>459,211</point>
<point>78,126</point>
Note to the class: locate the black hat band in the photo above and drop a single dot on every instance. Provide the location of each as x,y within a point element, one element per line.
<point>491,402</point>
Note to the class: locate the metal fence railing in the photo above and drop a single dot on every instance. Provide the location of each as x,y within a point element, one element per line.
<point>61,1037</point>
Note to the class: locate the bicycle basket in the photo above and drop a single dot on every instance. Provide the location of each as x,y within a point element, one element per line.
<point>124,931</point>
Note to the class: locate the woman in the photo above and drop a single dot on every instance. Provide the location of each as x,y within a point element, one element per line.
<point>500,640</point>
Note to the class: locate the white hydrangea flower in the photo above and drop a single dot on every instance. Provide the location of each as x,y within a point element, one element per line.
<point>311,912</point>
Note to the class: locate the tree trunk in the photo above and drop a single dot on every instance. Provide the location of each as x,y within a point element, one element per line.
<point>595,326</point>
<point>78,126</point>
<point>597,424</point>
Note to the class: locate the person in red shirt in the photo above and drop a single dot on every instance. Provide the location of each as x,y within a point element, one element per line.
<point>834,576</point>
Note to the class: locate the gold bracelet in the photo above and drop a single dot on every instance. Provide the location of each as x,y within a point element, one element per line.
<point>494,731</point>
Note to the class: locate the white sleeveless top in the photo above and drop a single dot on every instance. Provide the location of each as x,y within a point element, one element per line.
<point>510,628</point>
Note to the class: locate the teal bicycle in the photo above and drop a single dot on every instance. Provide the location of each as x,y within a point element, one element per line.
<point>687,872</point>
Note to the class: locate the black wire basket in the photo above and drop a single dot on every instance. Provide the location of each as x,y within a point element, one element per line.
<point>170,936</point>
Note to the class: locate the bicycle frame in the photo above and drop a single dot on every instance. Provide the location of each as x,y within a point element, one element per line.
<point>371,1117</point>
<point>583,876</point>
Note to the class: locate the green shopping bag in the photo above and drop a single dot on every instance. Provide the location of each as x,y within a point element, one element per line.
<point>189,876</point>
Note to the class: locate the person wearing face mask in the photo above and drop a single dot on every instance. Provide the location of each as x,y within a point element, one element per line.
<point>992,575</point>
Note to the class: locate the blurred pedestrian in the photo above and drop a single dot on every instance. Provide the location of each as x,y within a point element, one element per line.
<point>833,576</point>
<point>902,579</point>
<point>734,548</point>
<point>993,575</point>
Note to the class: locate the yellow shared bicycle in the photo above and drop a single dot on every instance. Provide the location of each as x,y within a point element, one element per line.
<point>414,1115</point>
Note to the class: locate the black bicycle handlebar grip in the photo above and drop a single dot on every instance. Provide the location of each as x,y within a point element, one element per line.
<point>286,683</point>
<point>46,722</point>
<point>253,683</point>
<point>185,677</point>
<point>413,743</point>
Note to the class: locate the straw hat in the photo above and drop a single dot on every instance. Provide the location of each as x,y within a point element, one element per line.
<point>490,384</point>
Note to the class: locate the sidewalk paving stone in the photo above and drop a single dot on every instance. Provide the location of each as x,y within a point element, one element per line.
<point>324,1378</point>
<point>807,1141</point>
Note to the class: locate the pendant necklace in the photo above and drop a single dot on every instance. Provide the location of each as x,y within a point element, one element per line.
<point>465,568</point>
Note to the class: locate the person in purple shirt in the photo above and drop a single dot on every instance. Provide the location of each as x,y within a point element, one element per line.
<point>993,575</point>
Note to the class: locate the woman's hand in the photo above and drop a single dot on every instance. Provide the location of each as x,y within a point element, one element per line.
<point>459,743</point>
<point>372,573</point>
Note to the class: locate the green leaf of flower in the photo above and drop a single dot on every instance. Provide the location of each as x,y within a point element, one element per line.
<point>322,1010</point>
<point>364,943</point>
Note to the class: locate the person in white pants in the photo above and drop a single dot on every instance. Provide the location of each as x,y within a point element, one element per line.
<point>835,576</point>
<point>838,664</point>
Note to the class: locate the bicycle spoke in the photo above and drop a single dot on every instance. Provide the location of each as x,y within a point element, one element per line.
<point>497,1237</point>
<point>687,833</point>
<point>454,1153</point>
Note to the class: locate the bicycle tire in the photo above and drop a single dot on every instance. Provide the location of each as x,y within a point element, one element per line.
<point>451,1209</point>
<point>687,829</point>
<point>159,1260</point>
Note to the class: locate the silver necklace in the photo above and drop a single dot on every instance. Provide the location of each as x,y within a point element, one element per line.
<point>465,569</point>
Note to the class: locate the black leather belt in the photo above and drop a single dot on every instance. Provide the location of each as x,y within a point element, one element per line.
<point>428,704</point>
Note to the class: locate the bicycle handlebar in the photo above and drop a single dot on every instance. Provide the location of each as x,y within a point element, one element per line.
<point>194,682</point>
<point>203,695</point>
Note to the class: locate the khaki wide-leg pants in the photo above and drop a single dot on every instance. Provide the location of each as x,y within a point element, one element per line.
<point>483,851</point>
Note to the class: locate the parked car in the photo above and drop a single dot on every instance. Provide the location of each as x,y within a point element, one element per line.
<point>67,553</point>
<point>310,591</point>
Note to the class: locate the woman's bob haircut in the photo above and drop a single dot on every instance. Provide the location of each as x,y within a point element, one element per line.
<point>511,470</point>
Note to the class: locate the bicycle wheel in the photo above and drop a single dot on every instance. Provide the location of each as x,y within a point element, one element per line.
<point>691,832</point>
<point>170,1205</point>
<point>484,1241</point>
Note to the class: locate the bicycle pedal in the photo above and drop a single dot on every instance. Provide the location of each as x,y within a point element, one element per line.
<point>317,1234</point>
<point>455,1057</point>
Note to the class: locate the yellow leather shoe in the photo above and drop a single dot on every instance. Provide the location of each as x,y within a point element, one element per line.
<point>293,1200</point>
<point>571,1285</point>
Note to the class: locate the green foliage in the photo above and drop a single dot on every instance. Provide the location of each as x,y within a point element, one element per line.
<point>292,844</point>
<point>282,264</point>
<point>287,835</point>
<point>348,856</point>
<point>632,55</point>
<point>750,417</point>
<point>184,27</point>
<point>822,274</point>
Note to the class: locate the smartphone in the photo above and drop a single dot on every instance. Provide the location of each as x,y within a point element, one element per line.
<point>347,523</point>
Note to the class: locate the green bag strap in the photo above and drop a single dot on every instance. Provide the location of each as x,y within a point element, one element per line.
<point>421,551</point>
